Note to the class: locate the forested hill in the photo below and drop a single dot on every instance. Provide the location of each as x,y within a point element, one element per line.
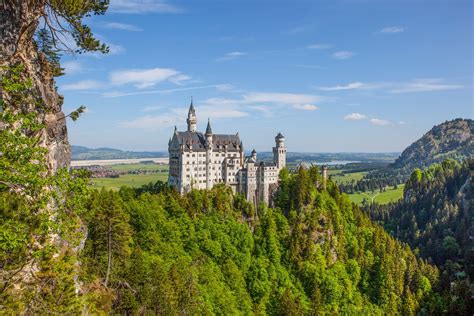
<point>211,252</point>
<point>435,217</point>
<point>451,139</point>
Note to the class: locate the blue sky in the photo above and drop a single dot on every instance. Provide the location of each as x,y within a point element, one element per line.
<point>332,76</point>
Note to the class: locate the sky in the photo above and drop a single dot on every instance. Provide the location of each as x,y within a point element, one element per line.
<point>332,76</point>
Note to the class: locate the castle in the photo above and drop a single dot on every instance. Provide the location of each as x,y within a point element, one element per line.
<point>199,161</point>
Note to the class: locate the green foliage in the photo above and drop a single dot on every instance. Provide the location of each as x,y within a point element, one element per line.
<point>208,253</point>
<point>434,217</point>
<point>65,17</point>
<point>39,212</point>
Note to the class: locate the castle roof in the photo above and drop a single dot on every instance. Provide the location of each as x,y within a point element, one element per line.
<point>191,109</point>
<point>208,128</point>
<point>198,141</point>
<point>279,136</point>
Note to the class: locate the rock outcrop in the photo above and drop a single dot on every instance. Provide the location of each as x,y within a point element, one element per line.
<point>18,22</point>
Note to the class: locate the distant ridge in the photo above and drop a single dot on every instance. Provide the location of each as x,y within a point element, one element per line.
<point>84,153</point>
<point>451,139</point>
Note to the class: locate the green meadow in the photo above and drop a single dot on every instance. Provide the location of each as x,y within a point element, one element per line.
<point>389,195</point>
<point>132,180</point>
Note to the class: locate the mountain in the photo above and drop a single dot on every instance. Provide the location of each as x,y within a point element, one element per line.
<point>451,139</point>
<point>84,153</point>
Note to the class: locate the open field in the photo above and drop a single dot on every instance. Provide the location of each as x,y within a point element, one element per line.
<point>130,180</point>
<point>390,195</point>
<point>343,178</point>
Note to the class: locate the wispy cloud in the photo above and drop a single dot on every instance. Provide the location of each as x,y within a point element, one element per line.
<point>72,67</point>
<point>379,122</point>
<point>115,94</point>
<point>363,117</point>
<point>82,85</point>
<point>415,85</point>
<point>144,78</point>
<point>142,6</point>
<point>425,85</point>
<point>306,107</point>
<point>231,56</point>
<point>343,54</point>
<point>319,46</point>
<point>175,117</point>
<point>355,117</point>
<point>122,26</point>
<point>392,30</point>
<point>349,86</point>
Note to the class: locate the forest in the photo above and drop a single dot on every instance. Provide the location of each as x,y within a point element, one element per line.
<point>434,218</point>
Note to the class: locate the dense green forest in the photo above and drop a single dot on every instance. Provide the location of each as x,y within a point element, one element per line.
<point>434,217</point>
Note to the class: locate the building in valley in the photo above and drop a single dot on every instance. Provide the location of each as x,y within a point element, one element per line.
<point>201,160</point>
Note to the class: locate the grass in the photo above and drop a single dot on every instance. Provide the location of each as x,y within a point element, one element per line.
<point>132,180</point>
<point>390,195</point>
<point>343,178</point>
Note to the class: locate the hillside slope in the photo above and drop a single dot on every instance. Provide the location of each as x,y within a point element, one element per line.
<point>451,139</point>
<point>434,217</point>
<point>212,253</point>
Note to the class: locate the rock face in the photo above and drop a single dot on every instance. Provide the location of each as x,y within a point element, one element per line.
<point>18,22</point>
<point>451,139</point>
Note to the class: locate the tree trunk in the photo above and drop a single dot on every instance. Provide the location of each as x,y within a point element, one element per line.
<point>18,22</point>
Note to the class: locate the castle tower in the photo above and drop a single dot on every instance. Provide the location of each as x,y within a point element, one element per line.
<point>279,151</point>
<point>208,135</point>
<point>192,120</point>
<point>254,155</point>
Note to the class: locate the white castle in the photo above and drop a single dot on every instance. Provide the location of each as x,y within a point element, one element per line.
<point>199,161</point>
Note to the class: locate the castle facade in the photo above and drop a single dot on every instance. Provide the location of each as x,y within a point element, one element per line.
<point>201,160</point>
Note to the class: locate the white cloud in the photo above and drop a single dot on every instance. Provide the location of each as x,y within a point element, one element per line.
<point>153,121</point>
<point>175,117</point>
<point>424,85</point>
<point>319,46</point>
<point>282,98</point>
<point>142,6</point>
<point>392,30</point>
<point>343,54</point>
<point>306,107</point>
<point>379,122</point>
<point>355,117</point>
<point>231,56</point>
<point>72,67</point>
<point>82,85</point>
<point>115,94</point>
<point>122,26</point>
<point>349,86</point>
<point>144,78</point>
<point>179,79</point>
<point>115,49</point>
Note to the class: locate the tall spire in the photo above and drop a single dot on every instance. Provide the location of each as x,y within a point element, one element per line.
<point>192,120</point>
<point>208,128</point>
<point>191,108</point>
